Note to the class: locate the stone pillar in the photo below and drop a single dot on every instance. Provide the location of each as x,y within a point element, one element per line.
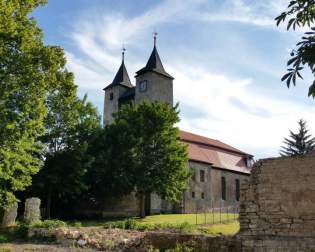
<point>32,210</point>
<point>9,216</point>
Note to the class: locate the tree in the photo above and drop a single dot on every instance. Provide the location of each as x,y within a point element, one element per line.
<point>144,153</point>
<point>70,124</point>
<point>28,71</point>
<point>301,13</point>
<point>298,143</point>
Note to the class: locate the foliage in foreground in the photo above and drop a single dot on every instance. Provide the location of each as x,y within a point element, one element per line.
<point>27,71</point>
<point>40,114</point>
<point>50,224</point>
<point>299,143</point>
<point>19,232</point>
<point>132,224</point>
<point>300,13</point>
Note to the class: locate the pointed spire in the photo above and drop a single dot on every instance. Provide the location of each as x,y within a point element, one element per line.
<point>154,63</point>
<point>121,77</point>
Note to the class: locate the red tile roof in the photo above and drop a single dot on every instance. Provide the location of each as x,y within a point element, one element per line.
<point>215,153</point>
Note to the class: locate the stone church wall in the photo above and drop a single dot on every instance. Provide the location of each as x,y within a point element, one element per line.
<point>159,88</point>
<point>211,188</point>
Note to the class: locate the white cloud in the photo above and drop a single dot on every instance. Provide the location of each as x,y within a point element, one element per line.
<point>260,13</point>
<point>229,110</point>
<point>257,122</point>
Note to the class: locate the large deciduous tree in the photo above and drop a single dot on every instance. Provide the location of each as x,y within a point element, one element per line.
<point>298,143</point>
<point>300,13</point>
<point>70,124</point>
<point>28,71</point>
<point>143,153</point>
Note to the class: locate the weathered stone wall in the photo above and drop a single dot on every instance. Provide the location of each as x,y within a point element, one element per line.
<point>278,205</point>
<point>280,198</point>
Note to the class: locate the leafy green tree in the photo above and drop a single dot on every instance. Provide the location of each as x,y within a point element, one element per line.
<point>144,153</point>
<point>298,143</point>
<point>300,13</point>
<point>70,123</point>
<point>28,72</point>
<point>110,174</point>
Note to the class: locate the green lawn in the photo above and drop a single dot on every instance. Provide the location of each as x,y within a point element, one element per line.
<point>229,228</point>
<point>190,218</point>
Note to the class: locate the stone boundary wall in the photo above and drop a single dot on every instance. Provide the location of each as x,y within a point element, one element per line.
<point>280,198</point>
<point>278,205</point>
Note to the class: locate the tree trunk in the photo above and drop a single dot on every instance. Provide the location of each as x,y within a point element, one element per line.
<point>142,205</point>
<point>48,204</point>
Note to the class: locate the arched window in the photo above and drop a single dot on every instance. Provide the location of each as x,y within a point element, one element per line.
<point>223,188</point>
<point>237,189</point>
<point>202,176</point>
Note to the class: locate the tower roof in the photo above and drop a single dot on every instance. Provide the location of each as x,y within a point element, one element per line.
<point>121,77</point>
<point>154,64</point>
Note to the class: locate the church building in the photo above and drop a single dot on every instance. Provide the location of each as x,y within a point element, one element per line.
<point>218,168</point>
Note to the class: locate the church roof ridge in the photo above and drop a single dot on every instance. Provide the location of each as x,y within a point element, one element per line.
<point>192,137</point>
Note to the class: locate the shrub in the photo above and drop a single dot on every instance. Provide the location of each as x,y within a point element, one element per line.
<point>185,227</point>
<point>49,224</point>
<point>77,224</point>
<point>14,233</point>
<point>133,224</point>
<point>4,238</point>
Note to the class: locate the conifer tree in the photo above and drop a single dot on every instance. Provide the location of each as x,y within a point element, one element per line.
<point>298,143</point>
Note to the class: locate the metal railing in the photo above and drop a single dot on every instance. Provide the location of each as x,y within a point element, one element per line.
<point>215,215</point>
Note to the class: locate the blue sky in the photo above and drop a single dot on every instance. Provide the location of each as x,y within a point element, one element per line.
<point>227,57</point>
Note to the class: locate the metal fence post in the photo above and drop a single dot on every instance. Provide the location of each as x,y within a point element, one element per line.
<point>220,211</point>
<point>212,212</point>
<point>196,214</point>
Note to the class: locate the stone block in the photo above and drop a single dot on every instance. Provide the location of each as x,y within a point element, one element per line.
<point>32,210</point>
<point>9,216</point>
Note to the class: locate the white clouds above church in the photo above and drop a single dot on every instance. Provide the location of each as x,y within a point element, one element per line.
<point>227,78</point>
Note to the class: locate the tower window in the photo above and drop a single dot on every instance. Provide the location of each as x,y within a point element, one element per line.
<point>223,188</point>
<point>143,85</point>
<point>193,194</point>
<point>202,176</point>
<point>111,96</point>
<point>202,195</point>
<point>237,189</point>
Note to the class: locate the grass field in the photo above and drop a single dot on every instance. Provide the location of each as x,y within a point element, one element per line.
<point>189,218</point>
<point>229,228</point>
<point>192,219</point>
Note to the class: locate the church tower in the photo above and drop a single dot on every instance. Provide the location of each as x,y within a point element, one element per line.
<point>113,92</point>
<point>153,83</point>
